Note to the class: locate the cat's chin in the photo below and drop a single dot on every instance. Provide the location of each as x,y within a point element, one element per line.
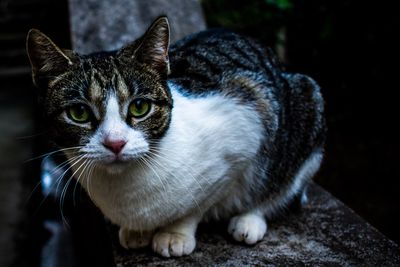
<point>115,167</point>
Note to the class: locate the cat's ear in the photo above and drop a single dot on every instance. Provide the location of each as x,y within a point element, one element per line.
<point>47,59</point>
<point>152,48</point>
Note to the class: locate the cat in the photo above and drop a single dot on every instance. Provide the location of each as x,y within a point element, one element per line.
<point>163,137</point>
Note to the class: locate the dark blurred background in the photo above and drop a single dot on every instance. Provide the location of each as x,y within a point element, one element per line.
<point>349,47</point>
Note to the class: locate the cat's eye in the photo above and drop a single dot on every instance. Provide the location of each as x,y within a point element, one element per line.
<point>139,108</point>
<point>79,113</point>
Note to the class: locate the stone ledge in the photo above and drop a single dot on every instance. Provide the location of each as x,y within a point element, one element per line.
<point>324,232</point>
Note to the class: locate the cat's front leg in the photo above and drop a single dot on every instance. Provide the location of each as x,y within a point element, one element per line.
<point>178,238</point>
<point>133,239</point>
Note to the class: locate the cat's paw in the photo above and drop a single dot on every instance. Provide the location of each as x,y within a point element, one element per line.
<point>173,244</point>
<point>131,239</point>
<point>248,228</point>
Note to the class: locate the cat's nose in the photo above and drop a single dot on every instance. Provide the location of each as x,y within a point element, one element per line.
<point>114,145</point>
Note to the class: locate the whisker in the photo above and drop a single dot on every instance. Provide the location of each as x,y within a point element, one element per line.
<point>77,180</point>
<point>88,181</point>
<point>191,174</point>
<point>165,156</point>
<point>177,178</point>
<point>64,192</point>
<point>52,153</point>
<point>65,171</point>
<point>52,186</point>
<point>148,164</point>
<point>61,165</point>
<point>29,136</point>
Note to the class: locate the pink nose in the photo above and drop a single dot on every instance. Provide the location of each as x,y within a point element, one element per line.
<point>114,145</point>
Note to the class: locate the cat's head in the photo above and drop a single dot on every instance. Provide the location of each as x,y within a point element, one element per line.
<point>106,107</point>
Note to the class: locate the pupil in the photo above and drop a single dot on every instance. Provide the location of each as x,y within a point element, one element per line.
<point>80,111</point>
<point>140,105</point>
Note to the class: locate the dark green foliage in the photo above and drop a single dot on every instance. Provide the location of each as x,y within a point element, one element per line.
<point>264,19</point>
<point>260,18</point>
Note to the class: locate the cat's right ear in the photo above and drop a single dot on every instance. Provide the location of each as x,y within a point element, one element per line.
<point>47,59</point>
<point>152,48</point>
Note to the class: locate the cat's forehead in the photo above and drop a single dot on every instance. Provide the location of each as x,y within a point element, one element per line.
<point>105,77</point>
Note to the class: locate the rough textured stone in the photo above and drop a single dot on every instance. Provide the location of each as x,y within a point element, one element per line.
<point>324,232</point>
<point>107,25</point>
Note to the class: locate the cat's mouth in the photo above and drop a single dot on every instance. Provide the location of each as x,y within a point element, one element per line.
<point>114,164</point>
<point>119,160</point>
<point>115,160</point>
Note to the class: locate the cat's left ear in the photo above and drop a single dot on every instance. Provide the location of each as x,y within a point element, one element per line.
<point>152,48</point>
<point>47,59</point>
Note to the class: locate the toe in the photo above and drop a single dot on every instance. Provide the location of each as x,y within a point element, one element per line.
<point>173,244</point>
<point>176,248</point>
<point>249,228</point>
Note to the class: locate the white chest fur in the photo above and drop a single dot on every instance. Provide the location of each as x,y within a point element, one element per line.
<point>209,144</point>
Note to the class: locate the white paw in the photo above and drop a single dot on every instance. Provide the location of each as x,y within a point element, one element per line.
<point>173,244</point>
<point>248,228</point>
<point>131,239</point>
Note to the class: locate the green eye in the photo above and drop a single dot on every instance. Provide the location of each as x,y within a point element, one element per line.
<point>139,108</point>
<point>79,113</point>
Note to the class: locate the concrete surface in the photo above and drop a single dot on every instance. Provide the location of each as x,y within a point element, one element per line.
<point>323,233</point>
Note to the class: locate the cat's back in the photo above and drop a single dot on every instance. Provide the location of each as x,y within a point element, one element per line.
<point>202,61</point>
